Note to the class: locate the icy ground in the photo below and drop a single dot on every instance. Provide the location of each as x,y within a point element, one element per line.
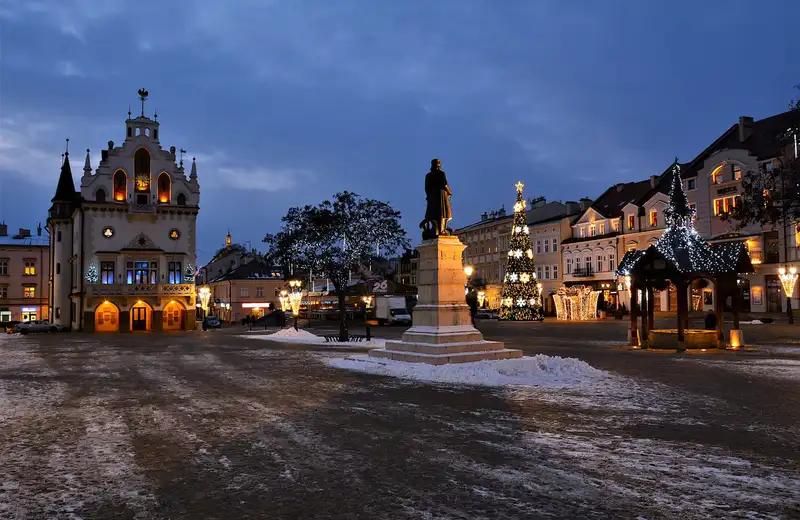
<point>215,426</point>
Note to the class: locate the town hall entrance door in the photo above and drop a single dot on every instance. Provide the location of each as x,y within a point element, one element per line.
<point>139,318</point>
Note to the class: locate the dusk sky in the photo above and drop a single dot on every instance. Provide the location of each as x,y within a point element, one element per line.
<point>287,102</point>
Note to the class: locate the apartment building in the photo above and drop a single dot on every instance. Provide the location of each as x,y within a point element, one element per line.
<point>487,244</point>
<point>24,275</point>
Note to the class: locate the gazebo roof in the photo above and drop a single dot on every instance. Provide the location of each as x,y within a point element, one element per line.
<point>682,249</point>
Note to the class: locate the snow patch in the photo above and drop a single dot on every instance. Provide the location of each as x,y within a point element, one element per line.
<point>539,371</point>
<point>751,322</point>
<point>291,335</point>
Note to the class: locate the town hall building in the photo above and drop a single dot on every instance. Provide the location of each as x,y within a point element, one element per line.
<point>122,248</point>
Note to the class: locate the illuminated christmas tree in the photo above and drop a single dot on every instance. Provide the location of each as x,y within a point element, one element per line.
<point>91,274</point>
<point>521,299</point>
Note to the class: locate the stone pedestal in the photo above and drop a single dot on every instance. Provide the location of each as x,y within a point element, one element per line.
<point>442,331</point>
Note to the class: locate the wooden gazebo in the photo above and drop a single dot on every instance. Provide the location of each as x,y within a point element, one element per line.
<point>679,257</point>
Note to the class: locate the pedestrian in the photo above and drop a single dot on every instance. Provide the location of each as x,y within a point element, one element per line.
<point>472,302</point>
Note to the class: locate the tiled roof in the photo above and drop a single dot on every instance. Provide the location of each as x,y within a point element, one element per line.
<point>762,142</point>
<point>611,202</point>
<point>250,271</point>
<point>37,241</point>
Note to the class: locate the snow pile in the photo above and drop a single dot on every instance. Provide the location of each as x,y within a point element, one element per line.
<point>291,335</point>
<point>751,322</point>
<point>539,371</point>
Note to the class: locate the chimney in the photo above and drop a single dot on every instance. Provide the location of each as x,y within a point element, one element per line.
<point>585,203</point>
<point>484,216</point>
<point>502,212</point>
<point>24,233</point>
<point>653,181</point>
<point>571,207</point>
<point>745,128</point>
<point>3,230</point>
<point>39,229</point>
<point>619,187</point>
<point>538,202</point>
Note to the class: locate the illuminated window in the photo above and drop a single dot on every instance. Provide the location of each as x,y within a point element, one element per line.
<point>569,265</point>
<point>602,228</point>
<point>29,292</point>
<point>175,272</point>
<point>717,174</point>
<point>107,273</point>
<point>592,230</point>
<point>737,172</point>
<point>583,232</point>
<point>164,188</point>
<point>120,186</point>
<point>726,205</point>
<point>653,218</point>
<point>30,267</point>
<point>631,222</point>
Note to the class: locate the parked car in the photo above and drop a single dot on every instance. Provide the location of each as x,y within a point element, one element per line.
<point>211,322</point>
<point>33,326</point>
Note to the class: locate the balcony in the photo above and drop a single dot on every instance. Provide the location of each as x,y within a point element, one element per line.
<point>142,208</point>
<point>119,289</point>
<point>582,272</point>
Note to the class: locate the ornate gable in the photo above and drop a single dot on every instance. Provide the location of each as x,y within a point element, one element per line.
<point>141,241</point>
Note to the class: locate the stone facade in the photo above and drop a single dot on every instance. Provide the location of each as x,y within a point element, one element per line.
<point>24,268</point>
<point>123,247</point>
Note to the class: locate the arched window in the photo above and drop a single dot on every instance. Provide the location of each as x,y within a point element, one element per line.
<point>163,188</point>
<point>181,199</point>
<point>120,186</point>
<point>100,195</point>
<point>716,175</point>
<point>130,132</point>
<point>141,179</point>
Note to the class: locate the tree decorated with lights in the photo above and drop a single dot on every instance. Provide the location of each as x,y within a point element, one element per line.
<point>92,275</point>
<point>521,298</point>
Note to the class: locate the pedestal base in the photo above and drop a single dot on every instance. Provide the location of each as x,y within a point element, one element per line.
<point>442,331</point>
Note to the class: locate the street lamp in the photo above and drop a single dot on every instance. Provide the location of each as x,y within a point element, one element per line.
<point>295,296</point>
<point>284,299</point>
<point>467,271</point>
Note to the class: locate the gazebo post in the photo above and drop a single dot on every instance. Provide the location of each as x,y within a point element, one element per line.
<point>737,338</point>
<point>719,306</point>
<point>683,310</point>
<point>632,339</point>
<point>644,306</point>
<point>651,307</point>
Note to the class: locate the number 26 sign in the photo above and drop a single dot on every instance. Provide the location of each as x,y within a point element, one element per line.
<point>379,286</point>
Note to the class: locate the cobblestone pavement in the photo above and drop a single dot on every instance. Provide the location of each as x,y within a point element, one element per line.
<point>210,425</point>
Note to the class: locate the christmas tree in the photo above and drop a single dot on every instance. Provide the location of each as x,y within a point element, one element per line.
<point>91,274</point>
<point>521,300</point>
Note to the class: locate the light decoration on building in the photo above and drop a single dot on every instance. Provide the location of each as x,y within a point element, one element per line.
<point>481,298</point>
<point>520,300</point>
<point>367,301</point>
<point>577,303</point>
<point>188,273</point>
<point>205,296</point>
<point>92,276</point>
<point>284,300</point>
<point>295,295</point>
<point>788,279</point>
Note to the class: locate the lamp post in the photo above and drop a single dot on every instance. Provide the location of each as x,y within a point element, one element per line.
<point>467,271</point>
<point>788,279</point>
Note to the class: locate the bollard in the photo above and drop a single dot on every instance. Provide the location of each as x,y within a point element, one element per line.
<point>295,323</point>
<point>369,333</point>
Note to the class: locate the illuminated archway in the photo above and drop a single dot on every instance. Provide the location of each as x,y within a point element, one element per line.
<point>141,317</point>
<point>173,316</point>
<point>106,317</point>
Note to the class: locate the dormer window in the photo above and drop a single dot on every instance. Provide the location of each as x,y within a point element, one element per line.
<point>592,230</point>
<point>631,222</point>
<point>737,172</point>
<point>653,218</point>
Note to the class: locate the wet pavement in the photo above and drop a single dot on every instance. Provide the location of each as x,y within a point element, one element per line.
<point>211,425</point>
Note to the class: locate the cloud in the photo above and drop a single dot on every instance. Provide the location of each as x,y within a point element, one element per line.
<point>71,17</point>
<point>28,150</point>
<point>69,69</point>
<point>217,170</point>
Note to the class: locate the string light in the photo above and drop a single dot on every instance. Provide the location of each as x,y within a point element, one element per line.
<point>521,296</point>
<point>576,303</point>
<point>788,280</point>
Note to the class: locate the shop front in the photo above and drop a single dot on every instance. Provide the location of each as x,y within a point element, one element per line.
<point>29,313</point>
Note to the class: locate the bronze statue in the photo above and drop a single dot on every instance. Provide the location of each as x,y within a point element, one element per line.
<point>437,212</point>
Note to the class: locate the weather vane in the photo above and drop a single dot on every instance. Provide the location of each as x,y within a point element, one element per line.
<point>143,96</point>
<point>182,152</point>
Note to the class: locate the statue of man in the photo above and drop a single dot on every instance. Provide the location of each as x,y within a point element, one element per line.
<point>438,194</point>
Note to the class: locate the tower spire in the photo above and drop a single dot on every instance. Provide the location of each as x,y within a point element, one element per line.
<point>193,173</point>
<point>65,191</point>
<point>87,166</point>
